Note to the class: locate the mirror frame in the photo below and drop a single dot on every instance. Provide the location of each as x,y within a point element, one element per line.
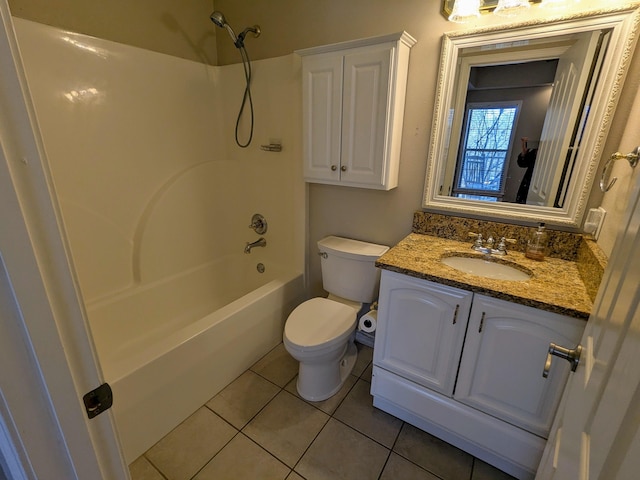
<point>624,24</point>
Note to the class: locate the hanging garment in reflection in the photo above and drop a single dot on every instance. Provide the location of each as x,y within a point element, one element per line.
<point>527,160</point>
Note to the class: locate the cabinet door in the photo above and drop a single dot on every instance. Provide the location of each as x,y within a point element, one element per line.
<point>364,115</point>
<point>421,327</point>
<point>503,358</point>
<point>322,108</point>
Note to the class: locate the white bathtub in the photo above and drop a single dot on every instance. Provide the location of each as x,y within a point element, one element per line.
<point>156,199</point>
<point>168,347</point>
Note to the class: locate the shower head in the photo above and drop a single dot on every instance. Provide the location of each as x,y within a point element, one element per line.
<point>238,40</point>
<point>218,18</point>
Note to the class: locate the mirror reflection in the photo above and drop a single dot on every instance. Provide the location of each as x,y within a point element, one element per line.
<point>522,109</point>
<point>522,113</point>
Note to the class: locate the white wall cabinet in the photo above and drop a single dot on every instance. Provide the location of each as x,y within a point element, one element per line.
<point>353,109</point>
<point>477,383</point>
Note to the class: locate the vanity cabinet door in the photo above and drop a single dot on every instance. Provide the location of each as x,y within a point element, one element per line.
<point>504,355</point>
<point>421,327</point>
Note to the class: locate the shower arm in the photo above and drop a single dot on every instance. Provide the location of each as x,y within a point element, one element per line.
<point>239,42</point>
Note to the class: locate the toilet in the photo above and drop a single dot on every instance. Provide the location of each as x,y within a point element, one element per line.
<point>320,332</point>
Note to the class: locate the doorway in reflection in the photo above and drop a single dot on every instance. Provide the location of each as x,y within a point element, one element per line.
<point>504,104</point>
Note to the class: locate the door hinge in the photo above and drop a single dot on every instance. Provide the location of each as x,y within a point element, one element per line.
<point>98,400</point>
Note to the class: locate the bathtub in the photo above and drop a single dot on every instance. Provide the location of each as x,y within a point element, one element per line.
<point>156,199</point>
<point>166,348</point>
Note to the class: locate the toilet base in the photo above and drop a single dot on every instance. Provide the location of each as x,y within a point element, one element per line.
<point>319,381</point>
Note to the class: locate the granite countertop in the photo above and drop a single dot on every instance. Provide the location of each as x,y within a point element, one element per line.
<point>555,284</point>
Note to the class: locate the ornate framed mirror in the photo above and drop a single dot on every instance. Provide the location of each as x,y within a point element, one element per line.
<point>522,113</point>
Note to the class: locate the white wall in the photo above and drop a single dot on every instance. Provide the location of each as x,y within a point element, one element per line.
<point>174,27</point>
<point>615,200</point>
<point>146,170</point>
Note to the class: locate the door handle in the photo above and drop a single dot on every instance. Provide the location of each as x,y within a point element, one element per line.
<point>571,355</point>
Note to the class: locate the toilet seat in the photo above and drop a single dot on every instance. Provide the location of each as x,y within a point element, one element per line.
<point>318,323</point>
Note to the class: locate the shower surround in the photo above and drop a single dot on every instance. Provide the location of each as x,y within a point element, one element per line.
<point>156,200</point>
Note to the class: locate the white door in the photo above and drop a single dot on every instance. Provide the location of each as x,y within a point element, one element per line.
<point>596,434</point>
<point>571,77</point>
<point>46,353</point>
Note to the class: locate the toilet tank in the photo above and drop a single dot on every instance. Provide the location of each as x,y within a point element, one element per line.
<point>348,268</point>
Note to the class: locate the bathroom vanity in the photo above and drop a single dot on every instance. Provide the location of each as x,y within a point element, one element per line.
<point>461,356</point>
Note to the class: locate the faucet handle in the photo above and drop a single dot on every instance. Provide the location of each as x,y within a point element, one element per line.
<point>258,224</point>
<point>502,246</point>
<point>478,237</point>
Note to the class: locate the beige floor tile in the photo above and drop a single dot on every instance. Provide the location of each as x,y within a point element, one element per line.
<point>357,411</point>
<point>341,453</point>
<point>188,447</point>
<point>294,476</point>
<point>330,404</point>
<point>277,366</point>
<point>367,374</point>
<point>484,471</point>
<point>242,459</point>
<point>365,356</point>
<point>398,468</point>
<point>432,454</point>
<point>286,427</point>
<point>141,469</point>
<point>241,400</point>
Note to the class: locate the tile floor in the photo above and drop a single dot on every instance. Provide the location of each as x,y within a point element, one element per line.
<point>259,428</point>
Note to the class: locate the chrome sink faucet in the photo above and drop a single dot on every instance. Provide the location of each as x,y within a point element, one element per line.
<point>486,247</point>
<point>261,242</point>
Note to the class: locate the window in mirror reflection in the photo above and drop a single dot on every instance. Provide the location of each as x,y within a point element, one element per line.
<point>486,145</point>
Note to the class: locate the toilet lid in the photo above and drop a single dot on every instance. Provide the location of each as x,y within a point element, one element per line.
<point>318,321</point>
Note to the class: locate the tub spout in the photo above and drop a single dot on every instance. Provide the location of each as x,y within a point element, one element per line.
<point>261,242</point>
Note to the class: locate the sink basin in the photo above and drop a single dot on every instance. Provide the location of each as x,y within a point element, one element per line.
<point>485,268</point>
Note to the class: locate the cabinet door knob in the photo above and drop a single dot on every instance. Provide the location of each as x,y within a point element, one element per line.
<point>333,168</point>
<point>572,356</point>
<point>343,168</point>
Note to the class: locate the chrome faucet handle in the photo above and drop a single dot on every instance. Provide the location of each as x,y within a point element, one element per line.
<point>479,240</point>
<point>258,224</point>
<point>502,246</point>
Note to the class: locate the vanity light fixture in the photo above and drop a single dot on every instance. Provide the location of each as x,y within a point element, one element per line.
<point>510,8</point>
<point>554,3</point>
<point>465,10</point>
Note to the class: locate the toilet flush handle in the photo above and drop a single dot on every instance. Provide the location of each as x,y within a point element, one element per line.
<point>323,254</point>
